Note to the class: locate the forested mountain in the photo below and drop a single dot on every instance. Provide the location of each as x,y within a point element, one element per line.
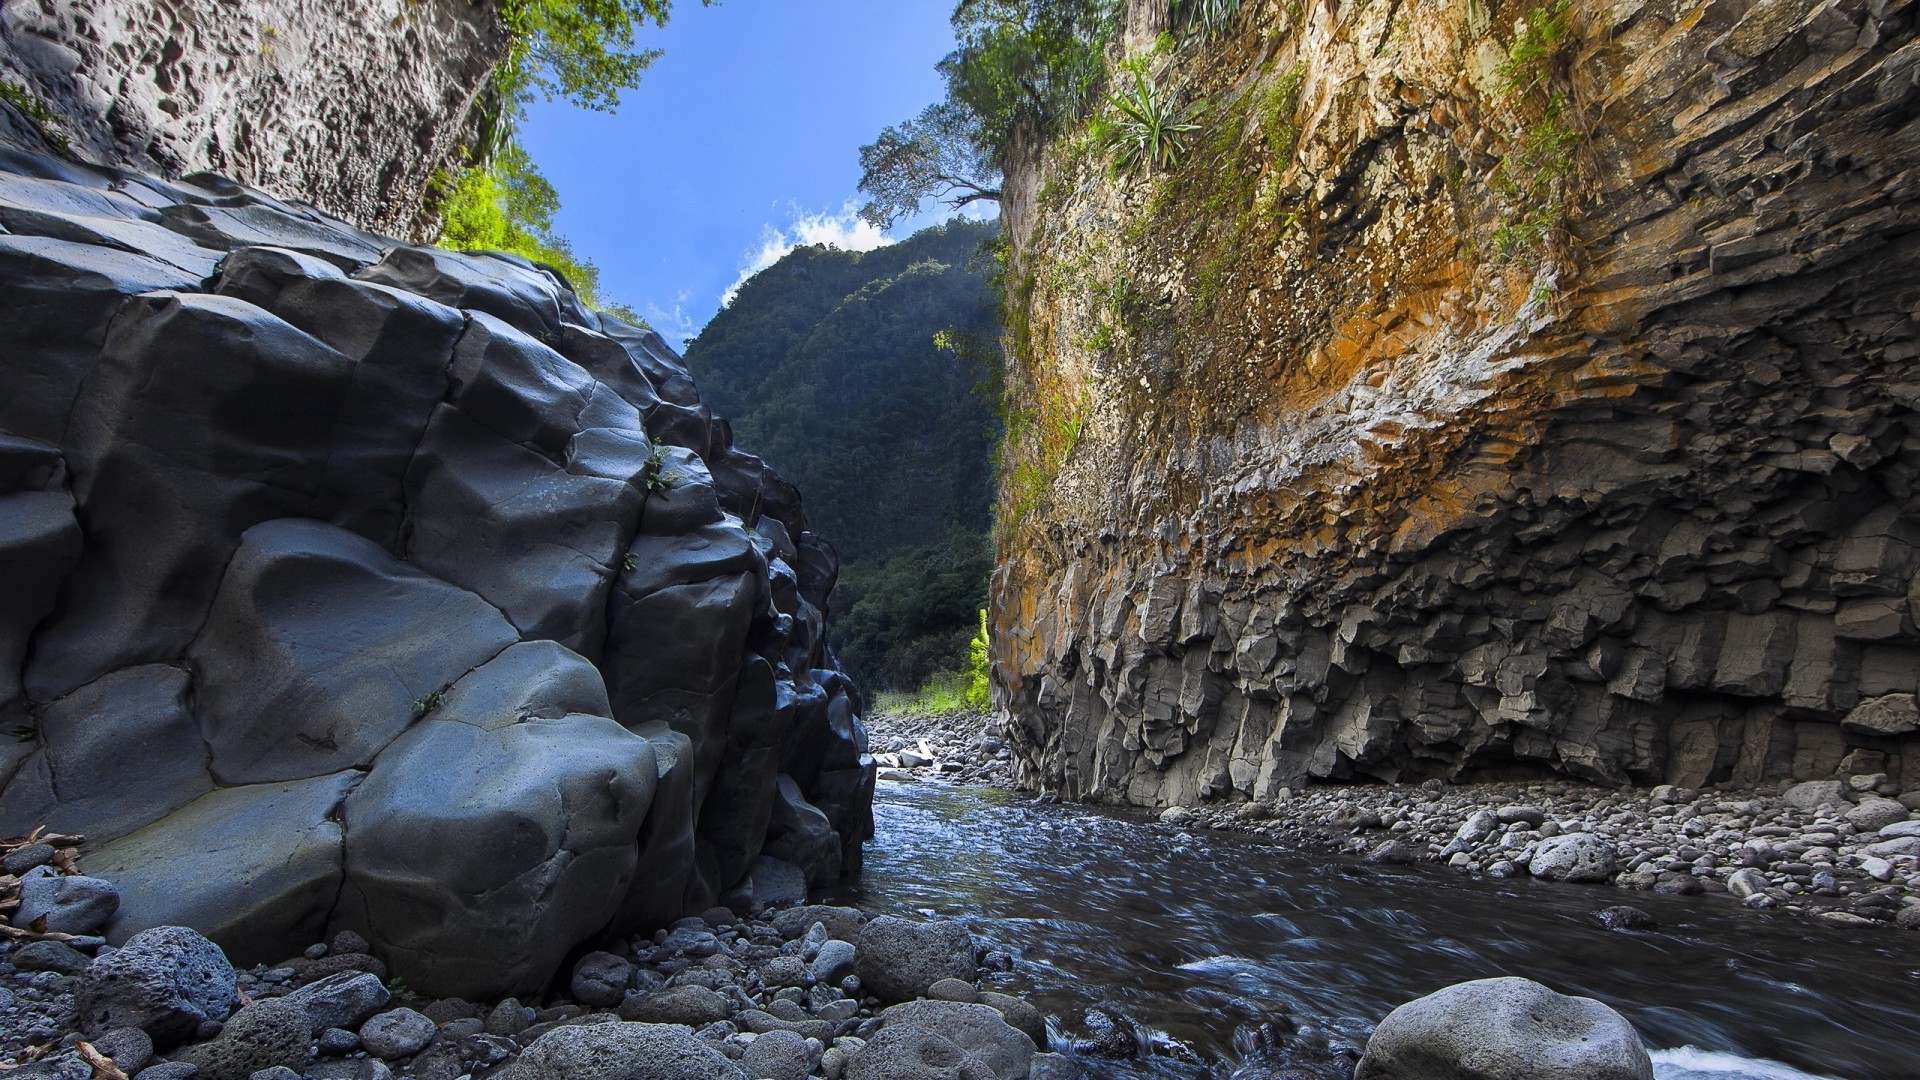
<point>841,367</point>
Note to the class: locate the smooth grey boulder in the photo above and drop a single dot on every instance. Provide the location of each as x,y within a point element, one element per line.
<point>39,545</point>
<point>601,980</point>
<point>541,679</point>
<point>539,541</point>
<point>124,751</point>
<point>622,1051</point>
<point>396,1034</point>
<point>166,981</point>
<point>667,877</point>
<point>229,228</point>
<point>68,904</point>
<point>1814,794</point>
<point>270,1033</point>
<point>906,1052</point>
<point>341,1000</point>
<point>527,300</point>
<point>1504,1029</point>
<point>321,649</point>
<point>400,345</point>
<point>203,417</point>
<point>481,854</point>
<point>980,1030</point>
<point>257,867</point>
<point>1573,857</point>
<point>60,296</point>
<point>899,959</point>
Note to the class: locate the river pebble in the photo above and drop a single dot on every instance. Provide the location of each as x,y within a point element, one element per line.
<point>1849,846</point>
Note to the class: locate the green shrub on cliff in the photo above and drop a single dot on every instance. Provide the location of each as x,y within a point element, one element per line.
<point>508,206</point>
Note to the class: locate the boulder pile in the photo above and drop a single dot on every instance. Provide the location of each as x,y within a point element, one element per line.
<point>785,994</point>
<point>1846,852</point>
<point>361,587</point>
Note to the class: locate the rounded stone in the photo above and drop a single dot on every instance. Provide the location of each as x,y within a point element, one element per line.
<point>1504,1029</point>
<point>396,1034</point>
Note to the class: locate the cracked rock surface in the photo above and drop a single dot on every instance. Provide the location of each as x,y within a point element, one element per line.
<point>376,589</point>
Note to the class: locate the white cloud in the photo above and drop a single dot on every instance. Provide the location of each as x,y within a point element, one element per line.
<point>843,230</point>
<point>672,321</point>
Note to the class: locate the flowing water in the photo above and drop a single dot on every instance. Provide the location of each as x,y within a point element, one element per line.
<point>1204,938</point>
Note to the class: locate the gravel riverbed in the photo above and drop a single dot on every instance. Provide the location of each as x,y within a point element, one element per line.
<point>1843,850</point>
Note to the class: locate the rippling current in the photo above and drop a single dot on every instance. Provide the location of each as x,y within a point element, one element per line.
<point>1200,936</point>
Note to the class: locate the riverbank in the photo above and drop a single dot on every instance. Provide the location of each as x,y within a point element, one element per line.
<point>958,747</point>
<point>1843,851</point>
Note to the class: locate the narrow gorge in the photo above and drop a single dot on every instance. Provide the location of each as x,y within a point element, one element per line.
<point>1286,540</point>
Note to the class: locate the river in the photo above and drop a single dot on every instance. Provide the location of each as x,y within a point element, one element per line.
<point>1203,938</point>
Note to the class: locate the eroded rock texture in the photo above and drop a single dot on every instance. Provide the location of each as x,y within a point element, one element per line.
<point>348,104</point>
<point>358,586</point>
<point>1365,476</point>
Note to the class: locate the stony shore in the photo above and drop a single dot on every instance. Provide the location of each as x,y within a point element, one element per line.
<point>1845,851</point>
<point>779,993</point>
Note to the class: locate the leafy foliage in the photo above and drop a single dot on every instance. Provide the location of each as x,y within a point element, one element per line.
<point>1532,179</point>
<point>828,364</point>
<point>1027,66</point>
<point>1149,128</point>
<point>508,206</point>
<point>581,50</point>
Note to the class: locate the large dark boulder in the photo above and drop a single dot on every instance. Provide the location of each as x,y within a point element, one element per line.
<point>372,587</point>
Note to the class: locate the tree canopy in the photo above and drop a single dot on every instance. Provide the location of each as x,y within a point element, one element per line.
<point>1031,64</point>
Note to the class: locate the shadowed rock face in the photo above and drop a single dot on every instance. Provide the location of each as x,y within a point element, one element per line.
<point>348,104</point>
<point>1362,487</point>
<point>354,586</point>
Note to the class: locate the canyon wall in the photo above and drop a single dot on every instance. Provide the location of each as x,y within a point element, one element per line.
<point>349,105</point>
<point>353,585</point>
<point>1482,395</point>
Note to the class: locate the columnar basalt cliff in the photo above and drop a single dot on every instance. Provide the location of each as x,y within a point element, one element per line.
<point>1490,391</point>
<point>349,105</point>
<point>351,585</point>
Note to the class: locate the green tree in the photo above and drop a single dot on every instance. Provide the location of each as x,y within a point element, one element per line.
<point>1021,66</point>
<point>585,51</point>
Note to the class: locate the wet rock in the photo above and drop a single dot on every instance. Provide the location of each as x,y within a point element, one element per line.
<point>1504,1029</point>
<point>1626,917</point>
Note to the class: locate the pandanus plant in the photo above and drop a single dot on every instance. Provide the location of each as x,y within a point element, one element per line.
<point>1148,132</point>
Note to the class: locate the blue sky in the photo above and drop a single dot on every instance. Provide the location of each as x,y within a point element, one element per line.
<point>742,141</point>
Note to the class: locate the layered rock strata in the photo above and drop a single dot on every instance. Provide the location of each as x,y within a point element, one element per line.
<point>355,586</point>
<point>1477,402</point>
<point>347,104</point>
